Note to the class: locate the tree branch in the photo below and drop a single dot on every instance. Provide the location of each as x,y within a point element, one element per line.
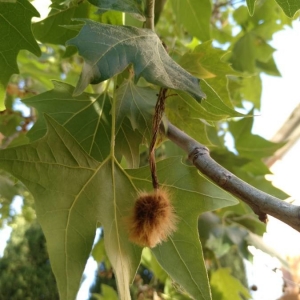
<point>260,202</point>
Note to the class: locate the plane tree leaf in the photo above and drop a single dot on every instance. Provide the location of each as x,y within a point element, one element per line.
<point>226,287</point>
<point>73,193</point>
<point>50,29</point>
<point>206,62</point>
<point>250,145</point>
<point>137,104</point>
<point>107,50</point>
<point>134,7</point>
<point>251,6</point>
<point>290,7</point>
<point>181,255</point>
<point>86,117</point>
<point>15,34</point>
<point>194,16</point>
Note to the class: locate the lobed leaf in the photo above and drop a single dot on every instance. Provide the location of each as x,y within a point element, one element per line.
<point>15,34</point>
<point>194,16</point>
<point>181,255</point>
<point>52,29</point>
<point>290,7</point>
<point>87,117</point>
<point>226,287</point>
<point>73,192</point>
<point>251,6</point>
<point>108,50</point>
<point>133,7</point>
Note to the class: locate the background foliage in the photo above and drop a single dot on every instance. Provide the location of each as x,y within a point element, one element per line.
<point>81,151</point>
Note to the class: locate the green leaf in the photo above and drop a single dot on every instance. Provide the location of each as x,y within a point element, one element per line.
<point>108,50</point>
<point>128,141</point>
<point>290,7</point>
<point>99,253</point>
<point>177,253</point>
<point>249,49</point>
<point>133,7</point>
<point>250,145</point>
<point>15,34</point>
<point>7,189</point>
<point>150,262</point>
<point>86,117</point>
<point>194,16</point>
<point>137,104</point>
<point>107,293</point>
<point>215,105</point>
<point>73,193</point>
<point>206,62</point>
<point>50,30</point>
<point>226,287</point>
<point>251,6</point>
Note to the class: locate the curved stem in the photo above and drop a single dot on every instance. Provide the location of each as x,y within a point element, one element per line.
<point>149,12</point>
<point>260,202</point>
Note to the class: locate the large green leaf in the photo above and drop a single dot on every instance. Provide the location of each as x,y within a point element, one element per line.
<point>181,256</point>
<point>248,144</point>
<point>133,7</point>
<point>73,193</point>
<point>290,7</point>
<point>206,62</point>
<point>86,117</point>
<point>226,287</point>
<point>15,34</point>
<point>251,6</point>
<point>108,50</point>
<point>249,50</point>
<point>51,29</point>
<point>194,15</point>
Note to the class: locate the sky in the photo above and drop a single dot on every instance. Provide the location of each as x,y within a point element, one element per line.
<point>279,97</point>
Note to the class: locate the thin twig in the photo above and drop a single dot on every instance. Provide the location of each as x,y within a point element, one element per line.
<point>158,113</point>
<point>260,202</point>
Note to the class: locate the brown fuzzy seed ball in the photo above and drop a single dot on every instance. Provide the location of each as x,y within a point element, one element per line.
<point>153,219</point>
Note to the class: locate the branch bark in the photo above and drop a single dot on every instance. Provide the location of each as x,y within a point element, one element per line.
<point>260,202</point>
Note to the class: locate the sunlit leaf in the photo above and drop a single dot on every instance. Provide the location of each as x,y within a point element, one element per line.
<point>249,49</point>
<point>108,50</point>
<point>194,16</point>
<point>134,7</point>
<point>206,62</point>
<point>226,287</point>
<point>86,117</point>
<point>73,193</point>
<point>248,144</point>
<point>15,34</point>
<point>177,255</point>
<point>290,7</point>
